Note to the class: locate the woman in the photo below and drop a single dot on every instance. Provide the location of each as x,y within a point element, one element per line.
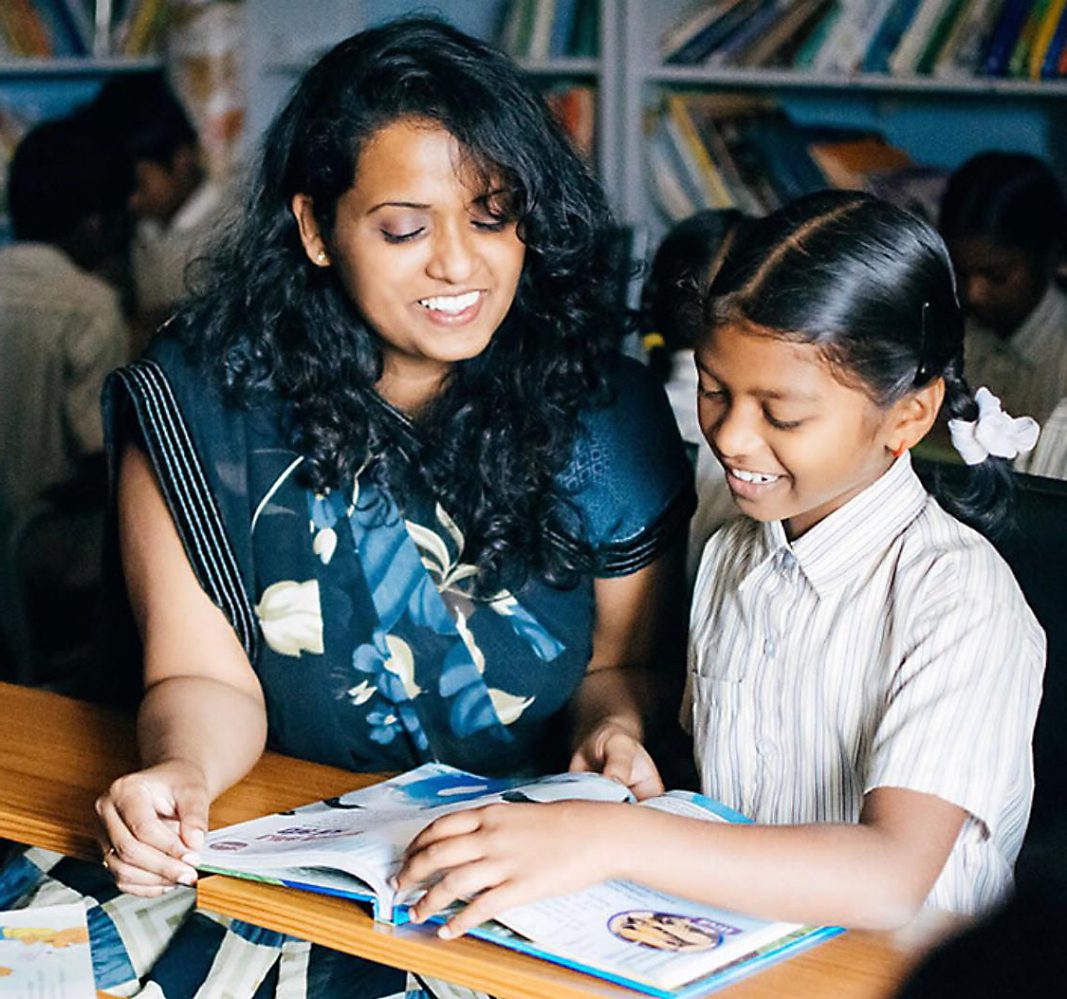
<point>387,469</point>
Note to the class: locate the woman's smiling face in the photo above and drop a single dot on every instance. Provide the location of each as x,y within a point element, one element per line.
<point>424,252</point>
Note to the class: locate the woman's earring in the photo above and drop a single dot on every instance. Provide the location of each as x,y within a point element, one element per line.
<point>899,450</point>
<point>321,257</point>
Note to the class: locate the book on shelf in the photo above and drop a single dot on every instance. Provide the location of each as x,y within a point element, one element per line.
<point>851,34</point>
<point>1020,53</point>
<point>732,51</point>
<point>352,845</point>
<point>549,29</point>
<point>138,27</point>
<point>779,43</point>
<point>706,31</point>
<point>1046,32</point>
<point>941,38</point>
<point>24,31</point>
<point>850,163</point>
<point>574,105</point>
<point>67,25</point>
<point>961,55</point>
<point>1057,49</point>
<point>1006,30</point>
<point>887,37</point>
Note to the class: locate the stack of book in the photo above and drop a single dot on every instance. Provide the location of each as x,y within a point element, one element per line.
<point>46,29</point>
<point>715,150</point>
<point>574,104</point>
<point>540,30</point>
<point>1022,39</point>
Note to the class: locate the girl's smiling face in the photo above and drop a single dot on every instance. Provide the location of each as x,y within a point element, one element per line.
<point>796,443</point>
<point>421,248</point>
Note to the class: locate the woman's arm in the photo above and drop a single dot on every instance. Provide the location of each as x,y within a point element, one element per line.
<point>202,723</point>
<point>636,666</point>
<point>873,874</point>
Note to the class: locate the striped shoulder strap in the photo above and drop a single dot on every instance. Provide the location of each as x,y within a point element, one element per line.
<point>188,494</point>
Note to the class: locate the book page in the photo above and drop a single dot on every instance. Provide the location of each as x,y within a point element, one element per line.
<point>364,833</point>
<point>44,954</point>
<point>636,932</point>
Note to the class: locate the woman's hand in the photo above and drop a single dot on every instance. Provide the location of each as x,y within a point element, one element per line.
<point>153,822</point>
<point>507,855</point>
<point>613,751</point>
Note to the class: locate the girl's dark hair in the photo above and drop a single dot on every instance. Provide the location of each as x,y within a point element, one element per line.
<point>678,280</point>
<point>1009,198</point>
<point>872,286</point>
<point>266,322</point>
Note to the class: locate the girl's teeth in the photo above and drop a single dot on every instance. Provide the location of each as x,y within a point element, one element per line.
<point>757,477</point>
<point>450,303</point>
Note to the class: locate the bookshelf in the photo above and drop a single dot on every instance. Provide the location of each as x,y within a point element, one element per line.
<point>940,121</point>
<point>285,40</point>
<point>80,37</point>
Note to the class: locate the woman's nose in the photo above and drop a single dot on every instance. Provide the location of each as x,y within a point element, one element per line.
<point>452,258</point>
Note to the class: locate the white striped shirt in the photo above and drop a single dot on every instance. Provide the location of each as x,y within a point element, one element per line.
<point>888,646</point>
<point>1049,458</point>
<point>1028,371</point>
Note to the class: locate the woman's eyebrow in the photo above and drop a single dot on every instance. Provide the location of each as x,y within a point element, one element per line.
<point>397,204</point>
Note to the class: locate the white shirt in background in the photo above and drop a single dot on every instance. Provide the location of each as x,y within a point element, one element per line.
<point>1028,371</point>
<point>888,646</point>
<point>160,254</point>
<point>61,332</point>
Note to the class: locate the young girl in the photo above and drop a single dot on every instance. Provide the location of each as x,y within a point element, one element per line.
<point>864,672</point>
<point>1005,222</point>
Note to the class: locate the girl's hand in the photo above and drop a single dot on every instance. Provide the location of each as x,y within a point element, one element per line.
<point>507,855</point>
<point>613,751</point>
<point>153,822</point>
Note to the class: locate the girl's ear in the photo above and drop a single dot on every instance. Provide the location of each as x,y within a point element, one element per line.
<point>310,236</point>
<point>912,417</point>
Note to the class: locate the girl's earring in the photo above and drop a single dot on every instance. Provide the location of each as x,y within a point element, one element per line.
<point>899,450</point>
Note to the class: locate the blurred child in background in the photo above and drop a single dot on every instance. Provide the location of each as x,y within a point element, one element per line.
<point>1005,222</point>
<point>682,269</point>
<point>178,206</point>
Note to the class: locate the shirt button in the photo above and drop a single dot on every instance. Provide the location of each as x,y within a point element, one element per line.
<point>769,648</point>
<point>765,747</point>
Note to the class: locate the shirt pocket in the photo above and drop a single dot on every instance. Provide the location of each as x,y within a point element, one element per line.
<point>713,658</point>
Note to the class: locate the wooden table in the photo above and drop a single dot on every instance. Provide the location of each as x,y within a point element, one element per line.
<point>59,754</point>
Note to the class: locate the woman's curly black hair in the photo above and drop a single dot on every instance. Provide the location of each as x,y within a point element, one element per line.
<point>268,323</point>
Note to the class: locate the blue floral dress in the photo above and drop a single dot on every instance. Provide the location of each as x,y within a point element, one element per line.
<point>358,615</point>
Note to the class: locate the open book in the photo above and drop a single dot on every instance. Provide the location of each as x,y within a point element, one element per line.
<point>620,931</point>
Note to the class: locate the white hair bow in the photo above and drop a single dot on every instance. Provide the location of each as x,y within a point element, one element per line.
<point>994,432</point>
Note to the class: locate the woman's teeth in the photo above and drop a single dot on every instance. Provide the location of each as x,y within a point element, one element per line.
<point>757,477</point>
<point>450,303</point>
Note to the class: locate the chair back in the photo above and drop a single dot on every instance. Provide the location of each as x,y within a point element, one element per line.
<point>1035,547</point>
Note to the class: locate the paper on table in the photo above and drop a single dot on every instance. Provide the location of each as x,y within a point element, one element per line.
<point>44,954</point>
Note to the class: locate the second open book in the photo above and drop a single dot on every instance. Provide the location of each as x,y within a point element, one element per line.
<point>624,932</point>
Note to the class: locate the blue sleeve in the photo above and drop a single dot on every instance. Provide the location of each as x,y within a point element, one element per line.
<point>629,481</point>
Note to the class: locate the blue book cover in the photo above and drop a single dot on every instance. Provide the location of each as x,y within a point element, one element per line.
<point>888,36</point>
<point>1002,40</point>
<point>559,41</point>
<point>1050,67</point>
<point>701,45</point>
